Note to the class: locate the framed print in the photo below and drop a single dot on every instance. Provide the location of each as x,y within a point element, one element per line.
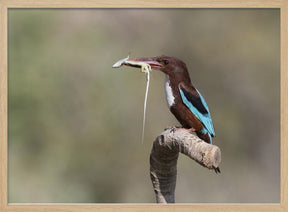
<point>71,124</point>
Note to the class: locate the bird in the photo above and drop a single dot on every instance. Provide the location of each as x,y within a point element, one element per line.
<point>185,102</point>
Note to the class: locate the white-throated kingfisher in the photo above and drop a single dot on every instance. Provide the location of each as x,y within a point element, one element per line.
<point>184,100</point>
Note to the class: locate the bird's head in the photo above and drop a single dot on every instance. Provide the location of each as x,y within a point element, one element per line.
<point>169,65</point>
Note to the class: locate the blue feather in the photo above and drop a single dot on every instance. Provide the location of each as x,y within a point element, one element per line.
<point>204,118</point>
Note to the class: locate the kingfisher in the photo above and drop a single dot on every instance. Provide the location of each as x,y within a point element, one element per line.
<point>185,102</point>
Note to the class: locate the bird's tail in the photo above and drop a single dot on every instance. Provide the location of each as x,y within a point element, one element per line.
<point>217,170</point>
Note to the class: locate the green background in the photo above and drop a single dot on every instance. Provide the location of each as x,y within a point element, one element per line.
<point>74,123</point>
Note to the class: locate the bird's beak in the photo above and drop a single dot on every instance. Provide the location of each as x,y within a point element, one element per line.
<point>152,61</point>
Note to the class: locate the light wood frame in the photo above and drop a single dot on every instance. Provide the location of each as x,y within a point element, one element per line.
<point>6,4</point>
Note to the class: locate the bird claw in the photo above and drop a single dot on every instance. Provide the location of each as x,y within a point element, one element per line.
<point>168,127</point>
<point>172,128</point>
<point>190,130</point>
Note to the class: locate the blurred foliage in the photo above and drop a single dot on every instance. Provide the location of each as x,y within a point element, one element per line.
<point>75,123</point>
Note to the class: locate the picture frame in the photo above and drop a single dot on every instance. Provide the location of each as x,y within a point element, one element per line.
<point>6,4</point>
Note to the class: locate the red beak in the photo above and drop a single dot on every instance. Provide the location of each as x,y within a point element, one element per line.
<point>152,61</point>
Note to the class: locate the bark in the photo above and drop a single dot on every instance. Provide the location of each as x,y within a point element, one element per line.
<point>164,156</point>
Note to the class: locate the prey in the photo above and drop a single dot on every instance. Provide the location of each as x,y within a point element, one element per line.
<point>145,68</point>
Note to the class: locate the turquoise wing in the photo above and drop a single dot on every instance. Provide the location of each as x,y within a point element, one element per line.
<point>199,108</point>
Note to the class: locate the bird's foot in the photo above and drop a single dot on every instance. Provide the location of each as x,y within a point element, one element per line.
<point>189,130</point>
<point>168,127</point>
<point>172,128</point>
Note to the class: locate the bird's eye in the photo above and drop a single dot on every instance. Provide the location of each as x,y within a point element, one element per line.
<point>165,62</point>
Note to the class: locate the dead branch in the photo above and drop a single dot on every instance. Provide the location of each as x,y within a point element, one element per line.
<point>164,155</point>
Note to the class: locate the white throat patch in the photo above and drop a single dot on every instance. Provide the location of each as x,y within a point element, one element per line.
<point>168,90</point>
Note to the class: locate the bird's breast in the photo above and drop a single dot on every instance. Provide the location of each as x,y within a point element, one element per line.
<point>169,93</point>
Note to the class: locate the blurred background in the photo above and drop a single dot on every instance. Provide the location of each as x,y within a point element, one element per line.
<point>75,123</point>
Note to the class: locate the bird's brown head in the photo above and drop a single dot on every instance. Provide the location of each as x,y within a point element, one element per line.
<point>171,66</point>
